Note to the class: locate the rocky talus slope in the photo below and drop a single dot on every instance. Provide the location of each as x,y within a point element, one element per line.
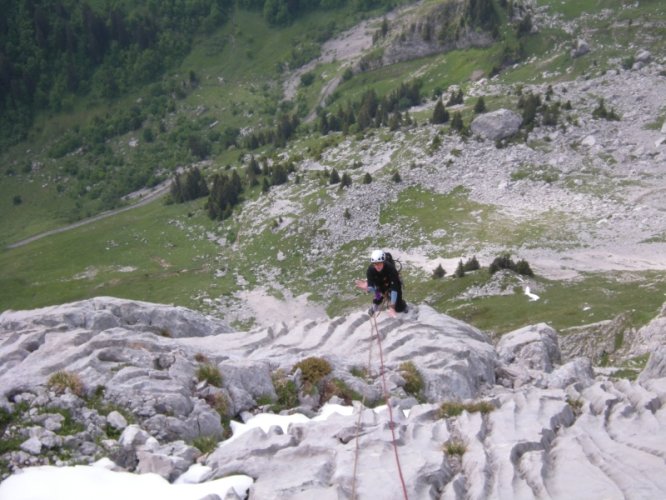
<point>545,430</point>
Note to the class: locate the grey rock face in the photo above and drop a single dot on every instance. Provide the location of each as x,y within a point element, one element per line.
<point>552,431</point>
<point>656,365</point>
<point>651,336</point>
<point>496,125</point>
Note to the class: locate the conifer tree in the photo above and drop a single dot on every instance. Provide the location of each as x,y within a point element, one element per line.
<point>457,122</point>
<point>460,270</point>
<point>439,114</point>
<point>480,106</point>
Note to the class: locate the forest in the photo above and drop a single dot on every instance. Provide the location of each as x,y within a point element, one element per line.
<point>57,55</point>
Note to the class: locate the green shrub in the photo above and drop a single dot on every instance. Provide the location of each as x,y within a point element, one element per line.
<point>69,425</point>
<point>63,380</point>
<point>210,373</point>
<point>360,372</point>
<point>413,380</point>
<point>219,403</point>
<point>455,447</point>
<point>337,387</point>
<point>455,408</point>
<point>450,409</point>
<point>286,390</point>
<point>307,79</point>
<point>480,407</point>
<point>313,369</point>
<point>205,444</point>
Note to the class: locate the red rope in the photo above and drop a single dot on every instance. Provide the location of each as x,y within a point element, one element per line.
<point>358,429</point>
<point>390,410</point>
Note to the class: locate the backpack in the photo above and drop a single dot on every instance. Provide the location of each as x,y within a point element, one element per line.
<point>398,267</point>
<point>394,262</point>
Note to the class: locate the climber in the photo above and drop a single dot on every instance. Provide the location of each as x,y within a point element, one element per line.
<point>383,279</point>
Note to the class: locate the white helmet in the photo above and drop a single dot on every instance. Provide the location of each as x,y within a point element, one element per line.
<point>377,256</point>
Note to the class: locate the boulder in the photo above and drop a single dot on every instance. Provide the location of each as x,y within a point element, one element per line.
<point>581,48</point>
<point>497,125</point>
<point>534,347</point>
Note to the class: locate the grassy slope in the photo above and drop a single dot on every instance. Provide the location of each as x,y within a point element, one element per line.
<point>163,253</point>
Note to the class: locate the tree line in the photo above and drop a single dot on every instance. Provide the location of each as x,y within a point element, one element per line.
<point>373,111</point>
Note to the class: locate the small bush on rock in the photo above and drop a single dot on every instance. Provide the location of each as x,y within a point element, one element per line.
<point>360,372</point>
<point>313,369</point>
<point>413,380</point>
<point>210,373</point>
<point>454,408</point>
<point>450,409</point>
<point>455,447</point>
<point>337,387</point>
<point>205,444</point>
<point>63,380</point>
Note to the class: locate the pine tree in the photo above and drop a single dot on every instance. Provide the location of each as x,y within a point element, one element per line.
<point>480,106</point>
<point>457,122</point>
<point>334,178</point>
<point>439,272</point>
<point>472,264</point>
<point>460,270</point>
<point>439,114</point>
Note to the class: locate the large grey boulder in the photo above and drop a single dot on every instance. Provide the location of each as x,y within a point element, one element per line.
<point>497,125</point>
<point>534,347</point>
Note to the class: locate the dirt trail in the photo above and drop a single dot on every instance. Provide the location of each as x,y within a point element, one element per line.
<point>151,195</point>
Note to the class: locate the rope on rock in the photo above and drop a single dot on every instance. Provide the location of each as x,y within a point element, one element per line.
<point>375,329</point>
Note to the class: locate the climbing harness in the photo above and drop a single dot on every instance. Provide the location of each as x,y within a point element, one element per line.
<point>375,331</point>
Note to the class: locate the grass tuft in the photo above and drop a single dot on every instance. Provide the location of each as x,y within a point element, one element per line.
<point>62,381</point>
<point>210,373</point>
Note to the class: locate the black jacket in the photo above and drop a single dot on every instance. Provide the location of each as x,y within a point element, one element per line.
<point>385,280</point>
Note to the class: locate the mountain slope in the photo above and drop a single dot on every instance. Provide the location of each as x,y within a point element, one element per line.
<point>578,199</point>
